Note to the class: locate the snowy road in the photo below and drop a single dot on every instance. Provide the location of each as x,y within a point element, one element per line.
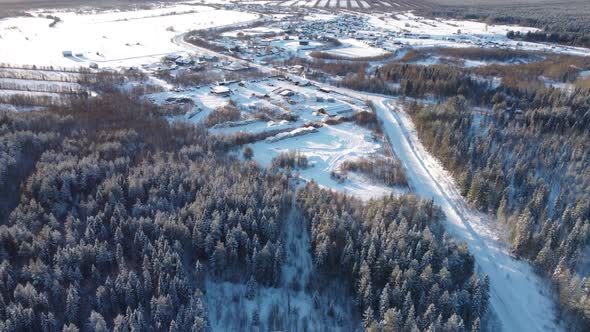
<point>520,299</point>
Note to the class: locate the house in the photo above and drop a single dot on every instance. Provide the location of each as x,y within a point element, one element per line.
<point>226,82</point>
<point>334,110</point>
<point>93,65</point>
<point>301,82</point>
<point>221,90</point>
<point>200,65</point>
<point>206,57</point>
<point>236,66</point>
<point>287,93</point>
<point>184,62</point>
<point>172,57</point>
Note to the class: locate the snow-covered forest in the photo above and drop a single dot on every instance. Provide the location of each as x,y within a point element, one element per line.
<point>299,165</point>
<point>118,220</point>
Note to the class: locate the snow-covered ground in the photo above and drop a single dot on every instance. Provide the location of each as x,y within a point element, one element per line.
<point>110,39</point>
<point>325,150</point>
<point>416,31</point>
<point>520,299</point>
<point>7,93</point>
<point>252,32</point>
<point>411,23</point>
<point>353,48</point>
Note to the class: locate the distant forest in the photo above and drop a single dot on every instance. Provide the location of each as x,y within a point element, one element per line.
<point>561,22</point>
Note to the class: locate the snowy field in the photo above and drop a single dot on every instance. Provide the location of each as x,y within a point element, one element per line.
<point>109,39</point>
<point>353,48</point>
<point>416,31</point>
<point>252,32</point>
<point>356,4</point>
<point>325,150</point>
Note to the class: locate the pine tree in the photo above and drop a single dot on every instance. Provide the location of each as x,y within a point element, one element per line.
<point>248,153</point>
<point>502,209</point>
<point>218,258</point>
<point>523,232</point>
<point>70,328</point>
<point>475,326</point>
<point>255,318</point>
<point>368,317</point>
<point>465,183</point>
<point>365,287</point>
<point>384,302</point>
<point>251,288</point>
<point>392,320</point>
<point>410,322</point>
<point>454,324</point>
<point>430,314</point>
<point>96,323</point>
<point>72,304</point>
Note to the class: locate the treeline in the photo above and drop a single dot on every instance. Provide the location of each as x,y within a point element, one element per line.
<point>526,78</point>
<point>291,160</point>
<point>112,218</point>
<point>418,81</point>
<point>189,78</point>
<point>41,86</point>
<point>521,85</point>
<point>325,70</point>
<point>472,53</point>
<point>567,38</point>
<point>386,170</point>
<point>222,114</point>
<point>565,23</point>
<point>406,273</point>
<point>529,167</point>
<point>330,56</point>
<point>37,99</point>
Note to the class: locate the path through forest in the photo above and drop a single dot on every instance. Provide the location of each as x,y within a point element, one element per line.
<point>520,299</point>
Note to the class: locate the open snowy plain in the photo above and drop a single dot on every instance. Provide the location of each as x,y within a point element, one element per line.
<point>109,39</point>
